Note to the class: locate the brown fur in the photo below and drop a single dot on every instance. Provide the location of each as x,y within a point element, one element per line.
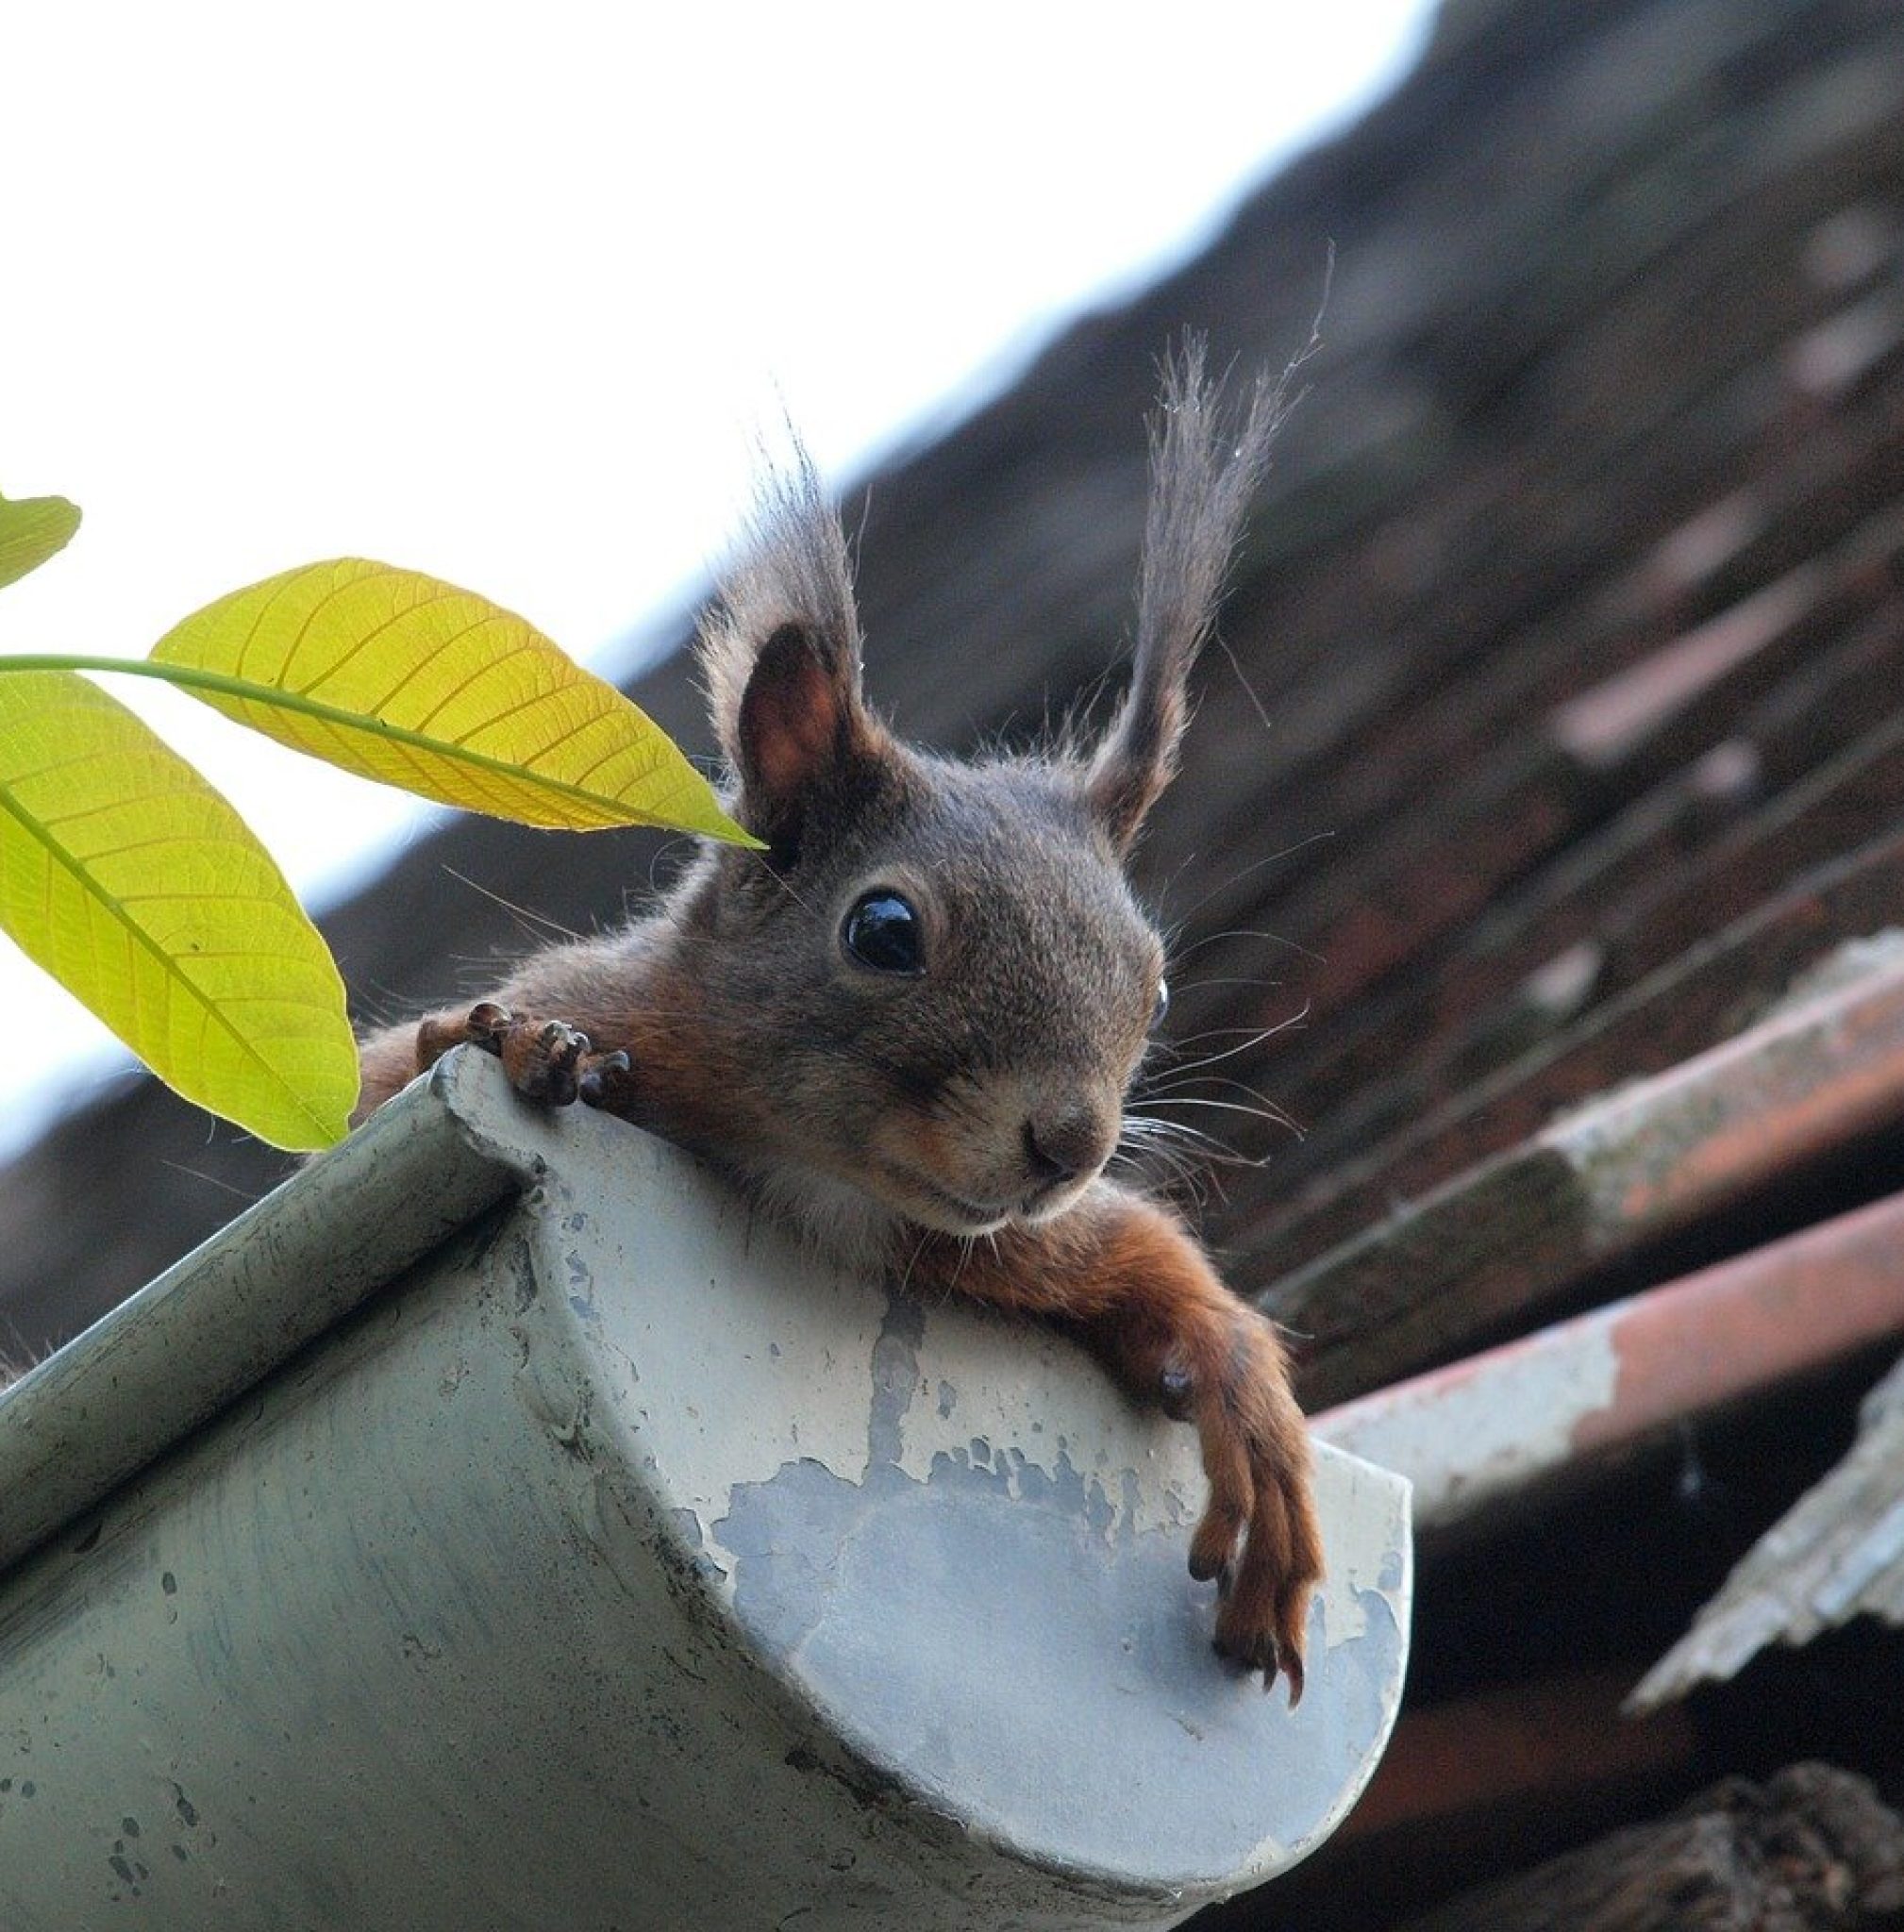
<point>949,1124</point>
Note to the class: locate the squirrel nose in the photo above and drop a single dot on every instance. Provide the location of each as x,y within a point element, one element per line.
<point>1061,1145</point>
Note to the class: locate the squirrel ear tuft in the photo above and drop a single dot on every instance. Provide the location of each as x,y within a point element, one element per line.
<point>1205,466</point>
<point>780,651</point>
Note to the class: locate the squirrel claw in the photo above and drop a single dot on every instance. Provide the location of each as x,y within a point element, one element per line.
<point>562,1042</point>
<point>1268,1634</point>
<point>548,1061</point>
<point>1205,1564</point>
<point>607,1080</point>
<point>1258,1539</point>
<point>485,1025</point>
<point>1263,1653</point>
<point>1176,1393</point>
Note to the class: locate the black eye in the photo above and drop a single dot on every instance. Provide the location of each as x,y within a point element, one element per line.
<point>1163,1006</point>
<point>882,931</point>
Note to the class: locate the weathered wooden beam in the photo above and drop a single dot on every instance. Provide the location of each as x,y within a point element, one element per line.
<point>1486,1434</point>
<point>1510,1237</point>
<point>1633,900</point>
<point>1838,1554</point>
<point>1419,1119</point>
<point>1813,1847</point>
<point>1526,800</point>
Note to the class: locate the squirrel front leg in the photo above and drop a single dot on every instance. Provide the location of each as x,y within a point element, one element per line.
<point>1130,1277</point>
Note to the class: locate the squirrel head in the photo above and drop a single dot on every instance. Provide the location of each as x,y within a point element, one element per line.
<point>940,976</point>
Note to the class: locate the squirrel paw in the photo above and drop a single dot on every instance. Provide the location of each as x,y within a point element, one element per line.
<point>1259,1536</point>
<point>540,1057</point>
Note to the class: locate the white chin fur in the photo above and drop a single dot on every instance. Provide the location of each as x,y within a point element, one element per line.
<point>859,1230</point>
<point>968,1230</point>
<point>1052,1206</point>
<point>1047,1207</point>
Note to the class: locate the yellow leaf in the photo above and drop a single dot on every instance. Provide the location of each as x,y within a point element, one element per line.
<point>131,881</point>
<point>32,529</point>
<point>401,677</point>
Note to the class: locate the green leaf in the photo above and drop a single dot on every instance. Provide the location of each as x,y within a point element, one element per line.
<point>31,531</point>
<point>131,881</point>
<point>404,679</point>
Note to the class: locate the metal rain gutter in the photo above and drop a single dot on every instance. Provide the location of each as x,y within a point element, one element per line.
<point>495,1526</point>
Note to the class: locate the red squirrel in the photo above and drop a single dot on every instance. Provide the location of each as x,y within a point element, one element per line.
<point>908,1026</point>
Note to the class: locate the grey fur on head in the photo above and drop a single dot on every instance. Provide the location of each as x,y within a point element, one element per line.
<point>1206,467</point>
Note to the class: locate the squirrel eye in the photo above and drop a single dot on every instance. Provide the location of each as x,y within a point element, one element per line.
<point>882,931</point>
<point>1163,1006</point>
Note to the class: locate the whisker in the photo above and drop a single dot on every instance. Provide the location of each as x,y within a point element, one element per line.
<point>1236,878</point>
<point>912,1260</point>
<point>1184,1082</point>
<point>1200,1147</point>
<point>198,1174</point>
<point>524,916</point>
<point>1144,1125</point>
<point>665,854</point>
<point>1274,1115</point>
<point>1252,1037</point>
<point>1174,1163</point>
<point>1176,1169</point>
<point>1248,690</point>
<point>1246,932</point>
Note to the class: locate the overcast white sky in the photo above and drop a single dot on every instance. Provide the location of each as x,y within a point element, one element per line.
<point>499,293</point>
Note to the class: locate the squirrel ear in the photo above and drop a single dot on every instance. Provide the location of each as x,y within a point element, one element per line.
<point>800,721</point>
<point>780,649</point>
<point>1205,468</point>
